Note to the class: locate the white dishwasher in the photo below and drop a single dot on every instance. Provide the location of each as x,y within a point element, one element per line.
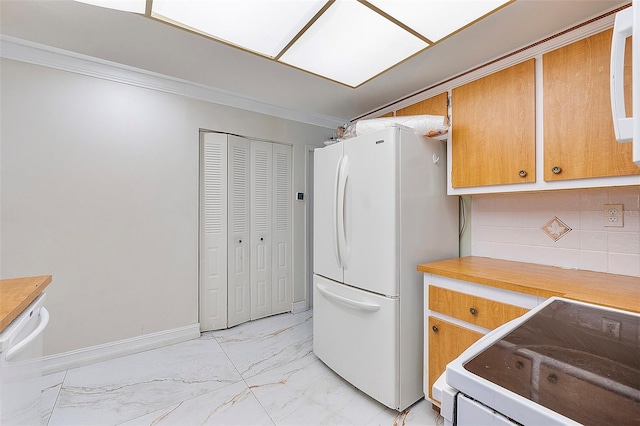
<point>21,366</point>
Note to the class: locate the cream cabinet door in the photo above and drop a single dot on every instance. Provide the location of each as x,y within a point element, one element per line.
<point>281,230</point>
<point>213,232</point>
<point>239,271</point>
<point>261,218</point>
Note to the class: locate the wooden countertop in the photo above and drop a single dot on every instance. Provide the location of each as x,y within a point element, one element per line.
<point>617,291</point>
<point>17,293</point>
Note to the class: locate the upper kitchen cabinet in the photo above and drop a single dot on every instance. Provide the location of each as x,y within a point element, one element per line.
<point>493,129</point>
<point>436,105</point>
<point>579,140</point>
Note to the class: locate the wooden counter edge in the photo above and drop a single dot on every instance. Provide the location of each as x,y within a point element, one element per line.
<point>39,282</point>
<point>541,280</point>
<point>498,283</point>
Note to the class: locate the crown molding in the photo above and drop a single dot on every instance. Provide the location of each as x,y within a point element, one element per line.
<point>51,57</point>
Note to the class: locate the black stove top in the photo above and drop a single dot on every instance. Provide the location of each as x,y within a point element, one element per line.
<point>575,359</point>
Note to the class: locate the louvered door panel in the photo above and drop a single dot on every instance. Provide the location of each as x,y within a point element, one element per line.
<point>281,233</point>
<point>239,286</point>
<point>213,225</point>
<point>261,208</point>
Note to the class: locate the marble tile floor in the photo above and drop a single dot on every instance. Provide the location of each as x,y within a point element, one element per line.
<point>259,373</point>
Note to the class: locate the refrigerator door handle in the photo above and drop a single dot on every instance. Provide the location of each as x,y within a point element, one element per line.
<point>343,247</point>
<point>355,304</point>
<point>336,190</point>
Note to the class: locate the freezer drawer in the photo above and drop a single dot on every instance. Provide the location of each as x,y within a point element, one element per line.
<point>356,334</point>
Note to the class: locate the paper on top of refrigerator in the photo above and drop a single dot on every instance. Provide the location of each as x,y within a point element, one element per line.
<point>434,126</point>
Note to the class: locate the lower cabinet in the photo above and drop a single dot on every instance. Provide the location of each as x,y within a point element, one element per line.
<point>446,342</point>
<point>458,313</point>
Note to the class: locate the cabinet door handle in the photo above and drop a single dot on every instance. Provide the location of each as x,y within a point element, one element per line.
<point>435,328</point>
<point>552,378</point>
<point>522,173</point>
<point>556,170</point>
<point>473,311</point>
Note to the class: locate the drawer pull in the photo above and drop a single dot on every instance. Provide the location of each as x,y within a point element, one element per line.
<point>473,311</point>
<point>435,328</point>
<point>519,365</point>
<point>552,378</point>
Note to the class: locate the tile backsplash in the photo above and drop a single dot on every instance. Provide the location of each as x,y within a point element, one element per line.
<point>559,228</point>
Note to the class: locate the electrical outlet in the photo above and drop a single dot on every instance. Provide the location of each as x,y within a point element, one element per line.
<point>611,327</point>
<point>614,215</point>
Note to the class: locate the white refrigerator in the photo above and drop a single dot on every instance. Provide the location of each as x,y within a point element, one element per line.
<point>380,209</point>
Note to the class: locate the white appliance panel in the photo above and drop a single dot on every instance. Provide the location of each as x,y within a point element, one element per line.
<point>370,211</point>
<point>325,183</point>
<point>356,334</point>
<point>21,366</point>
<point>626,127</point>
<point>471,412</point>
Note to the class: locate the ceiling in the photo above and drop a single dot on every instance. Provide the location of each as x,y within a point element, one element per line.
<point>143,43</point>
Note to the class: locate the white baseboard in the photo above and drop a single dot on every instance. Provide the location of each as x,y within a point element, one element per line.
<point>85,356</point>
<point>298,307</point>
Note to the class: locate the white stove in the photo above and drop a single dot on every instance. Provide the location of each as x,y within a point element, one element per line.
<point>563,363</point>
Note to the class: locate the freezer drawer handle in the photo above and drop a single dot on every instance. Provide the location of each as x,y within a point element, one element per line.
<point>15,350</point>
<point>363,306</point>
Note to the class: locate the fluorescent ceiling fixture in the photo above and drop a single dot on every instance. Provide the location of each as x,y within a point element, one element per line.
<point>348,41</point>
<point>135,6</point>
<point>436,19</point>
<point>265,27</point>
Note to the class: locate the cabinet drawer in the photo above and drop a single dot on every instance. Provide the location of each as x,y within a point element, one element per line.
<point>472,309</point>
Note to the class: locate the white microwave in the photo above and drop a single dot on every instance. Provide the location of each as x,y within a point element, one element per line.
<point>627,129</point>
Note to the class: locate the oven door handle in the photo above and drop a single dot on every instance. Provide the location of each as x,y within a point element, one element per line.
<point>16,349</point>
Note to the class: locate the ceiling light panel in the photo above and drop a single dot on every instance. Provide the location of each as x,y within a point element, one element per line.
<point>350,43</point>
<point>436,19</point>
<point>265,27</point>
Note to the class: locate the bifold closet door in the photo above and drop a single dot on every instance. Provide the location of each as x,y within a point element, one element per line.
<point>270,229</point>
<point>282,255</point>
<point>245,223</point>
<point>238,232</point>
<point>261,218</point>
<point>213,231</point>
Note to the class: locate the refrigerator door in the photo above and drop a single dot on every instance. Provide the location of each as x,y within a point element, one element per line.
<point>370,212</point>
<point>326,260</point>
<point>356,334</point>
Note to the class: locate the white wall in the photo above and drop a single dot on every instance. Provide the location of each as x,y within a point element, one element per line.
<point>512,227</point>
<point>99,188</point>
